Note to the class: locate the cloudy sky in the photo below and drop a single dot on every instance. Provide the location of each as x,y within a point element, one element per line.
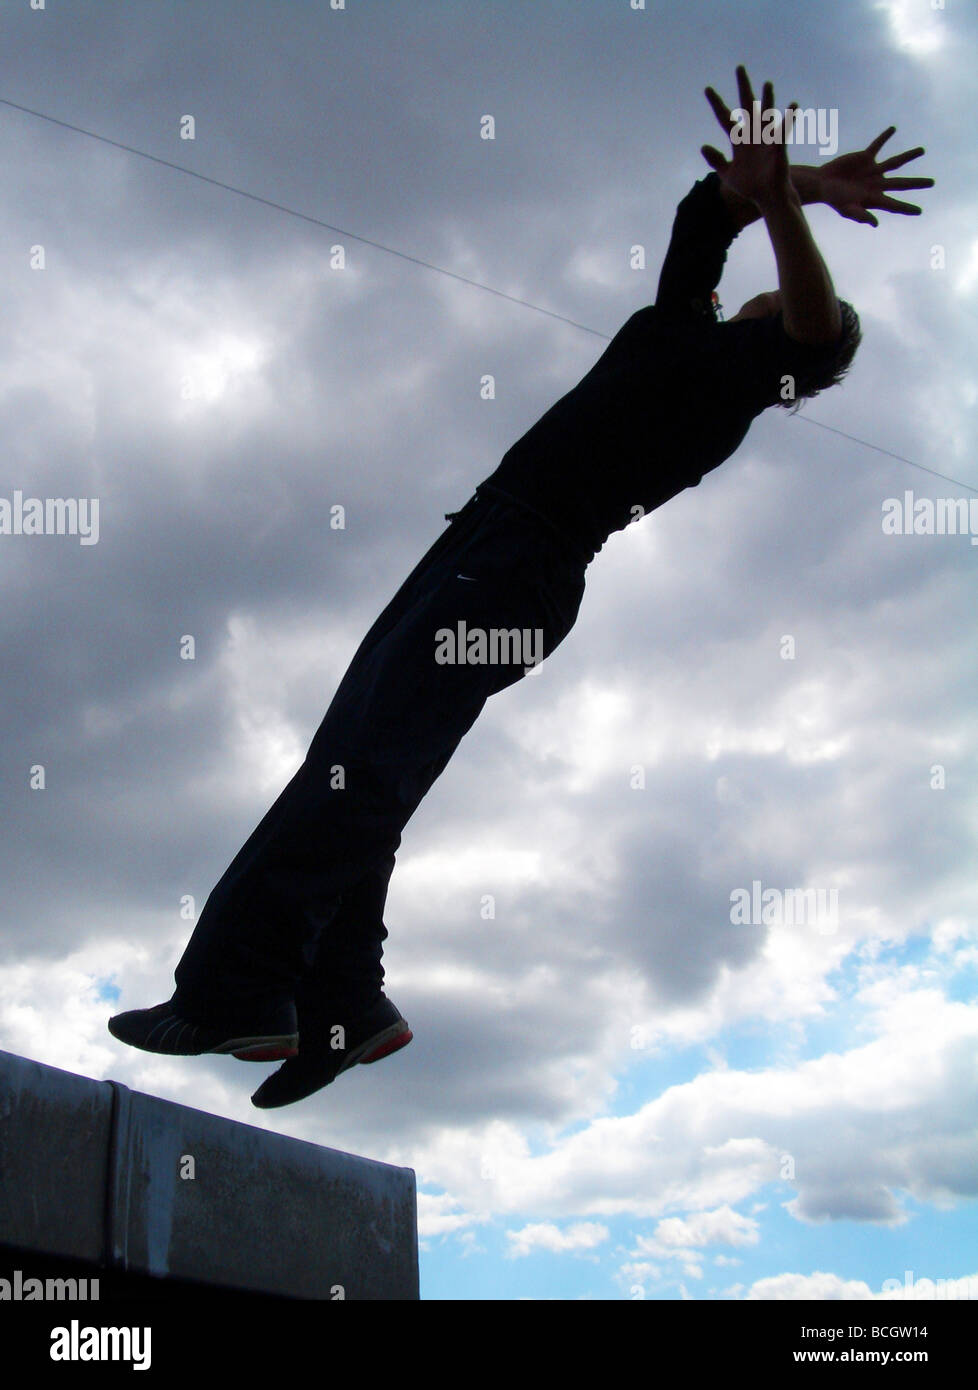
<point>614,1091</point>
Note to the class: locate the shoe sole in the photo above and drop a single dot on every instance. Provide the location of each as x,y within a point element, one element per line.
<point>264,1049</point>
<point>391,1040</point>
<point>382,1044</point>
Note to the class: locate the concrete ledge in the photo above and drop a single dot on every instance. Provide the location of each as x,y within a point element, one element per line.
<point>94,1171</point>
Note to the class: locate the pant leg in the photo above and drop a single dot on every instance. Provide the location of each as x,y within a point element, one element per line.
<point>390,730</point>
<point>347,974</point>
<point>387,619</point>
<point>201,986</point>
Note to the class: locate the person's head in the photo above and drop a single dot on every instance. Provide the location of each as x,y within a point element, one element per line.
<point>768,304</point>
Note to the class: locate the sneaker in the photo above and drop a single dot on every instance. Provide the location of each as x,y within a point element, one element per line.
<point>330,1047</point>
<point>162,1029</point>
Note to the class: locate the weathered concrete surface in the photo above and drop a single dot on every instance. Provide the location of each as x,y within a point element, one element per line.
<point>92,1170</point>
<point>54,1158</point>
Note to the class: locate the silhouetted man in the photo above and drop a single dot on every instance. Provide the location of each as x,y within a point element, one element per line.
<point>285,960</point>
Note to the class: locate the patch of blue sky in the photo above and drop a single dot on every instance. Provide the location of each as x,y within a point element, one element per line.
<point>859,1250</point>
<point>962,987</point>
<point>648,1076</point>
<point>753,1045</point>
<point>478,1266</point>
<point>482,1268</point>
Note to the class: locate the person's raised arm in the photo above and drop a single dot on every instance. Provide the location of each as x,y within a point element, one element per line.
<point>809,306</point>
<point>759,173</point>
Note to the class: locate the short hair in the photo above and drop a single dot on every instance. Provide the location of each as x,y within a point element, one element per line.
<point>808,385</point>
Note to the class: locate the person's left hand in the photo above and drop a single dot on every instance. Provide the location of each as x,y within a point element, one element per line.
<point>853,183</point>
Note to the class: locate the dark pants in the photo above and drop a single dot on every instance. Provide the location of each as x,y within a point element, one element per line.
<point>301,907</point>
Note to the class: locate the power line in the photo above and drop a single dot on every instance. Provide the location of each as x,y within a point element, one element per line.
<point>888,452</point>
<point>303,216</point>
<point>416,260</point>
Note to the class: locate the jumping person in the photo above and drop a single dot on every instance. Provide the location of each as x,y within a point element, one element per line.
<point>285,960</point>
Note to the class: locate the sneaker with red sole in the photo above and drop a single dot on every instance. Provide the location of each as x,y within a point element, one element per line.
<point>162,1029</point>
<point>330,1046</point>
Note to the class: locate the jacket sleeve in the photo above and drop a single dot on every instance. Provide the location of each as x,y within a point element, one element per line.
<point>701,233</point>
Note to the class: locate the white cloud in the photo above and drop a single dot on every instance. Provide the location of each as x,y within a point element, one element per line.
<point>439,1214</point>
<point>918,29</point>
<point>724,1226</point>
<point>821,1286</point>
<point>637,1275</point>
<point>584,1235</point>
<point>818,1287</point>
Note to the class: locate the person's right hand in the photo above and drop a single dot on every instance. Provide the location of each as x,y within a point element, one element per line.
<point>757,171</point>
